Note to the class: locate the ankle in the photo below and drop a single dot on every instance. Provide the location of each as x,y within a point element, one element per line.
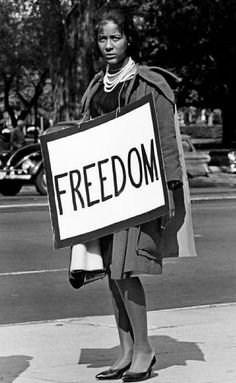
<point>127,353</point>
<point>144,349</point>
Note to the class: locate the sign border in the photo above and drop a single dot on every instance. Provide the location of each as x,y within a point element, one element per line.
<point>77,127</point>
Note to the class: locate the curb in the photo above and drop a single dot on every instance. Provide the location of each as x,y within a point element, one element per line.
<point>215,198</point>
<point>83,320</point>
<point>44,206</point>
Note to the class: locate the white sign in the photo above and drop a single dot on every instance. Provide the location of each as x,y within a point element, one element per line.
<point>105,175</point>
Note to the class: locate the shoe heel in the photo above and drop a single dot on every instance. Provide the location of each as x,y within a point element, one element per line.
<point>149,373</point>
<point>153,362</point>
<point>139,376</point>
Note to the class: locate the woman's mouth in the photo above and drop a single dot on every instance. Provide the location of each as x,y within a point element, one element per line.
<point>109,56</point>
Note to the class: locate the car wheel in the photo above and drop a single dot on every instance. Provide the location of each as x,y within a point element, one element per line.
<point>40,182</point>
<point>10,188</point>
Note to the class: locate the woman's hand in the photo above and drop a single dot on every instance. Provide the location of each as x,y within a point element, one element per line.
<point>165,219</point>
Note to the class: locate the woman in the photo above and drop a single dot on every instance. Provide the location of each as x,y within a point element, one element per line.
<point>137,250</point>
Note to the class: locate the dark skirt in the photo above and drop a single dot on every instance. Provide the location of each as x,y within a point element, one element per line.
<point>133,251</point>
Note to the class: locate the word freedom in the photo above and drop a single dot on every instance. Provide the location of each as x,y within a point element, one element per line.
<point>138,169</point>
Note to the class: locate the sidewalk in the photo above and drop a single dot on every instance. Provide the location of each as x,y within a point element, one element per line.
<point>214,181</point>
<point>193,345</point>
<point>217,186</point>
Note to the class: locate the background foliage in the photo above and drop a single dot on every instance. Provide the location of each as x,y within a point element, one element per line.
<point>46,63</point>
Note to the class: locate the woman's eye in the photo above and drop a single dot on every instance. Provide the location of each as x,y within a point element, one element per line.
<point>101,39</point>
<point>116,38</point>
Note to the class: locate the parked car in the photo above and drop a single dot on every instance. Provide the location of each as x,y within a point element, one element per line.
<point>225,159</point>
<point>5,135</point>
<point>32,134</point>
<point>196,161</point>
<point>23,166</point>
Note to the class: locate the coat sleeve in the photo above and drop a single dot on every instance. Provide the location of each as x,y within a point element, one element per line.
<point>165,118</point>
<point>148,81</point>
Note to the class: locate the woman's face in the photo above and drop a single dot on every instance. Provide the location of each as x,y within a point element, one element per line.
<point>112,45</point>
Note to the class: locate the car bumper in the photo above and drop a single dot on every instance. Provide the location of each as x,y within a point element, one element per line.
<point>13,176</point>
<point>232,168</point>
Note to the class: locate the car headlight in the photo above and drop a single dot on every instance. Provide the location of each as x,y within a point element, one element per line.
<point>232,156</point>
<point>27,164</point>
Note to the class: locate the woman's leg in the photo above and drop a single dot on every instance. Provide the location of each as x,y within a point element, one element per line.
<point>124,328</point>
<point>134,300</point>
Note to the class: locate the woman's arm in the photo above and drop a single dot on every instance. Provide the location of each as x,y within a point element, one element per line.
<point>165,117</point>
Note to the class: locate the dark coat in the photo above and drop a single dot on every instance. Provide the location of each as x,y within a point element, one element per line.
<point>139,250</point>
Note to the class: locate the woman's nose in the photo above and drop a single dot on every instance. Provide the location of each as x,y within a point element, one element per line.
<point>108,45</point>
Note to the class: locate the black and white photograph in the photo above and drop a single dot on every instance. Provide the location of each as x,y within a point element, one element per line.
<point>117,191</point>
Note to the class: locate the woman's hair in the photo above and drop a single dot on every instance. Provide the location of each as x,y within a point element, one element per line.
<point>123,18</point>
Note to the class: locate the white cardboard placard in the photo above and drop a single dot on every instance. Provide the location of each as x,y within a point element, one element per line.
<point>105,175</point>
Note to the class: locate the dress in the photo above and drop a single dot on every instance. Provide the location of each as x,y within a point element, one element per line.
<point>137,250</point>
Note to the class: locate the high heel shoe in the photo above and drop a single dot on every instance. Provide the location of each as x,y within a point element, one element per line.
<point>112,374</point>
<point>139,376</point>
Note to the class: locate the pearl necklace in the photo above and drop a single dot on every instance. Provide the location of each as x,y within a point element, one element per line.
<point>110,80</point>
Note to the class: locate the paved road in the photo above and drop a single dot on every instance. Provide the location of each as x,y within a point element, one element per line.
<point>33,278</point>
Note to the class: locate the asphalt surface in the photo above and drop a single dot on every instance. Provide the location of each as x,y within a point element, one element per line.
<point>34,278</point>
<point>193,344</point>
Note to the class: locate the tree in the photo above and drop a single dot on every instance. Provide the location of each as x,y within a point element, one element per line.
<point>196,39</point>
<point>193,38</point>
<point>23,69</point>
<point>69,28</point>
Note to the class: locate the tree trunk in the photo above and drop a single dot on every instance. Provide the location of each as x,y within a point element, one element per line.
<point>38,90</point>
<point>229,104</point>
<point>68,45</point>
<point>7,88</point>
<point>228,114</point>
<point>78,66</point>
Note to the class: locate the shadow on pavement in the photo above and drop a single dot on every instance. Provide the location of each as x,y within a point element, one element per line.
<point>169,352</point>
<point>12,366</point>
